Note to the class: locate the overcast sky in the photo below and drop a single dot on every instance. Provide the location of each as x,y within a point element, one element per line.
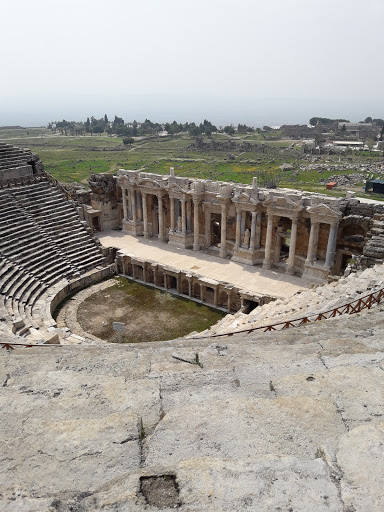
<point>232,61</point>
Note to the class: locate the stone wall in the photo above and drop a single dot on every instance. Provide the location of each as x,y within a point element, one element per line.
<point>218,294</point>
<point>104,200</point>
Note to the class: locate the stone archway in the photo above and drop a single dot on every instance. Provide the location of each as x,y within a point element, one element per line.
<point>351,239</point>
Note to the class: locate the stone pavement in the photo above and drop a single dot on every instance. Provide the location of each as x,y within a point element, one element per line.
<point>246,277</point>
<point>279,421</point>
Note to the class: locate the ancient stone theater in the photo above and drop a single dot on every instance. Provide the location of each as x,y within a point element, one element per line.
<point>277,407</point>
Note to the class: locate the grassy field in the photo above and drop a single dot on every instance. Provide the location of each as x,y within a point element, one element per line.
<point>73,159</point>
<point>149,314</point>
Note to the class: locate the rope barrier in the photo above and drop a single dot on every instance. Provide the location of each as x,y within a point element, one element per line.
<point>350,308</point>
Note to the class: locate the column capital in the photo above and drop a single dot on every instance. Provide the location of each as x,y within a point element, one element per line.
<point>334,224</point>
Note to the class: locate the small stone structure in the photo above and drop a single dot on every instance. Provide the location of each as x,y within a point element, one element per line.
<point>17,162</point>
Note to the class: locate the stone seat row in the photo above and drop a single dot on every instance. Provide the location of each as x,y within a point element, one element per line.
<point>45,203</point>
<point>19,292</point>
<point>306,303</point>
<point>12,162</point>
<point>42,243</point>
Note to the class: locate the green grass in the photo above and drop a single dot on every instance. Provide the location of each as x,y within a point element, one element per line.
<point>73,159</point>
<point>148,313</point>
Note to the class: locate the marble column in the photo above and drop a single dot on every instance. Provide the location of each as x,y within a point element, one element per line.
<point>277,249</point>
<point>183,218</point>
<point>332,237</point>
<point>208,227</point>
<point>252,244</point>
<point>223,247</point>
<point>258,230</point>
<point>145,214</point>
<point>238,229</point>
<point>268,243</point>
<point>313,241</point>
<point>229,301</point>
<point>188,215</point>
<point>139,206</point>
<point>243,219</point>
<point>292,248</point>
<point>172,201</point>
<point>134,211</point>
<point>125,216</point>
<point>196,227</point>
<point>161,218</point>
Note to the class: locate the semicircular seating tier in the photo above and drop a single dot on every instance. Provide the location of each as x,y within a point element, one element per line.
<point>43,244</point>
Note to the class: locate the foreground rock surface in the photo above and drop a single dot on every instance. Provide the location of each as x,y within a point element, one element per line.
<point>291,420</point>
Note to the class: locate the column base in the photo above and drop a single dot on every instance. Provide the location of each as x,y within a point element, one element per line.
<point>177,239</point>
<point>223,253</point>
<point>196,247</point>
<point>133,228</point>
<point>146,234</point>
<point>267,265</point>
<point>318,273</point>
<point>290,271</point>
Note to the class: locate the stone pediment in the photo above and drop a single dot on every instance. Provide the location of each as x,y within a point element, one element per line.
<point>173,188</point>
<point>147,182</point>
<point>322,210</point>
<point>282,203</point>
<point>245,198</point>
<point>242,198</point>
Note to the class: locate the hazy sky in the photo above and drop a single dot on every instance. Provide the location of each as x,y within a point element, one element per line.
<point>247,60</point>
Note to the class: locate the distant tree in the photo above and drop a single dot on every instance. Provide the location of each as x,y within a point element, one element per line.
<point>368,120</point>
<point>379,122</point>
<point>324,120</point>
<point>106,119</point>
<point>229,130</point>
<point>128,141</point>
<point>344,128</point>
<point>194,131</point>
<point>118,120</point>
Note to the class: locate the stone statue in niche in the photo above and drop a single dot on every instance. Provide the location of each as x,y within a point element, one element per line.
<point>246,238</point>
<point>179,224</point>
